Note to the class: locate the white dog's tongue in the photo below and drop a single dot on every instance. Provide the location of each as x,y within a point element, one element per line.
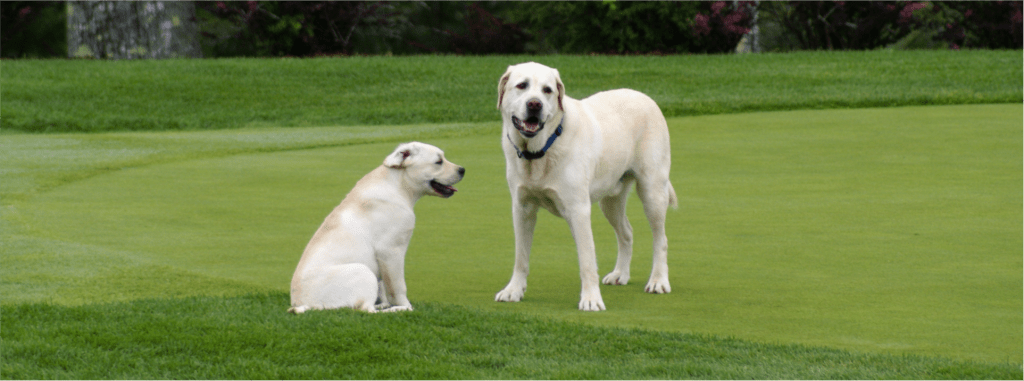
<point>531,125</point>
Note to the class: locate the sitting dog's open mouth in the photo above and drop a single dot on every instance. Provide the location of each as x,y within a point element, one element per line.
<point>529,127</point>
<point>443,190</point>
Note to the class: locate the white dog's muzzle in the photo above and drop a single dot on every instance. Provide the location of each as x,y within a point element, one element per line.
<point>530,127</point>
<point>533,121</point>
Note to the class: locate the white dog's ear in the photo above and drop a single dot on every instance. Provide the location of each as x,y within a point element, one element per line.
<point>501,85</point>
<point>402,153</point>
<point>561,89</point>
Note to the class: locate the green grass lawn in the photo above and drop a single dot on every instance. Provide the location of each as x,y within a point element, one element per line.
<point>836,243</point>
<point>879,230</point>
<point>250,338</point>
<point>61,95</point>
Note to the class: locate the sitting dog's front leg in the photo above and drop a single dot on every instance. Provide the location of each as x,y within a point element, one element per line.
<point>382,297</point>
<point>392,280</point>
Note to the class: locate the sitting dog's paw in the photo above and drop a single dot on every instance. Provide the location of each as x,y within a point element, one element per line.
<point>397,309</point>
<point>616,278</point>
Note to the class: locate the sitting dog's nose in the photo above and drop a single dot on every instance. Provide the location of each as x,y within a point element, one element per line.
<point>533,105</point>
<point>462,171</point>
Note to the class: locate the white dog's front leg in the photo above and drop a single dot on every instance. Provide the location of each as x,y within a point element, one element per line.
<point>578,218</point>
<point>524,220</point>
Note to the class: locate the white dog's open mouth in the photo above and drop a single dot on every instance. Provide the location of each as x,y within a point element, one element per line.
<point>529,127</point>
<point>443,190</point>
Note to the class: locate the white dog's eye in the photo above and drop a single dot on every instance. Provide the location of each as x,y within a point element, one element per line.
<point>547,90</point>
<point>440,162</point>
<point>521,86</point>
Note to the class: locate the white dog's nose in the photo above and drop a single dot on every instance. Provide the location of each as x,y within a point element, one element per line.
<point>533,104</point>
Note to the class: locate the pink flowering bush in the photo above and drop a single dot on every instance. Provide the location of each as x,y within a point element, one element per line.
<point>859,25</point>
<point>720,25</point>
<point>989,25</point>
<point>627,27</point>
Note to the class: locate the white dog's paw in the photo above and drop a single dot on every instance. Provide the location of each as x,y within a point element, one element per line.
<point>592,304</point>
<point>298,310</point>
<point>616,278</point>
<point>658,286</point>
<point>396,309</point>
<point>511,293</point>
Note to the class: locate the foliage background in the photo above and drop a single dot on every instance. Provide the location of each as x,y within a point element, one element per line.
<point>864,25</point>
<point>281,28</point>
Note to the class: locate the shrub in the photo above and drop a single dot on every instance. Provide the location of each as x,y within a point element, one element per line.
<point>271,28</point>
<point>634,27</point>
<point>990,25</point>
<point>464,28</point>
<point>839,25</point>
<point>487,34</point>
<point>32,29</point>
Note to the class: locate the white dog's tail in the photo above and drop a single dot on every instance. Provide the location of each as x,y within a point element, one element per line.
<point>672,200</point>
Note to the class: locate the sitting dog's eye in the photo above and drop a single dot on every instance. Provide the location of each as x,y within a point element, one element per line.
<point>439,162</point>
<point>547,90</point>
<point>521,86</point>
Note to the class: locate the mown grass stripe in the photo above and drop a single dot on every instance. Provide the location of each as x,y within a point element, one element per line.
<point>252,337</point>
<point>148,95</point>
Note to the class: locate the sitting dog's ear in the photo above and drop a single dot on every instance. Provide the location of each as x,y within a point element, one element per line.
<point>397,159</point>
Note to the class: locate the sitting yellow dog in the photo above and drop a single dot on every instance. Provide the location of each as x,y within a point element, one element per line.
<point>358,254</point>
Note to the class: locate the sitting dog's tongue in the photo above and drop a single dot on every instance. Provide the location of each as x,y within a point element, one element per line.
<point>444,190</point>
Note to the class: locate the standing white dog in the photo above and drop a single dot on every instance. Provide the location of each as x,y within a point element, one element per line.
<point>358,254</point>
<point>563,155</point>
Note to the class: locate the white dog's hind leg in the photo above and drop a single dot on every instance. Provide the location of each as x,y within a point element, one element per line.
<point>524,220</point>
<point>656,196</point>
<point>614,209</point>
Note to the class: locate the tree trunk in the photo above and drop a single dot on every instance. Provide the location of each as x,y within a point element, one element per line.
<point>751,42</point>
<point>131,30</point>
